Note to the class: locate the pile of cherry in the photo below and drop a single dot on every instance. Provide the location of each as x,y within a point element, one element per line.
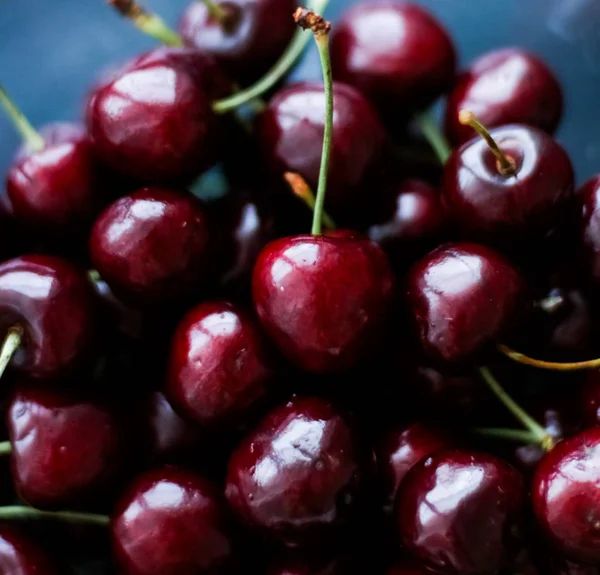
<point>204,387</point>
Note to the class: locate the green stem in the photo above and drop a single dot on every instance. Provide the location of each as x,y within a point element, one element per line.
<point>536,430</point>
<point>31,137</point>
<point>520,435</point>
<point>279,70</point>
<point>5,448</point>
<point>216,11</point>
<point>302,190</point>
<point>10,345</point>
<point>22,512</point>
<point>435,138</point>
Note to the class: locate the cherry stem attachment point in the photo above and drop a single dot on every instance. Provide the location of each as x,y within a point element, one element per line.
<point>309,20</point>
<point>434,137</point>
<point>278,71</point>
<point>549,365</point>
<point>5,448</point>
<point>147,22</point>
<point>519,435</point>
<point>536,430</point>
<point>302,190</point>
<point>217,12</point>
<point>28,133</point>
<point>12,341</point>
<point>506,165</point>
<point>22,512</point>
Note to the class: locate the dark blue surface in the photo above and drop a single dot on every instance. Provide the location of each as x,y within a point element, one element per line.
<point>51,51</point>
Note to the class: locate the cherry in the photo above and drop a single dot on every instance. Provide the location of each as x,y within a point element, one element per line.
<point>68,450</point>
<point>297,477</point>
<point>220,367</point>
<point>565,496</point>
<point>47,312</point>
<point>246,37</point>
<point>153,121</point>
<point>506,86</point>
<point>514,183</point>
<point>412,222</point>
<point>19,555</point>
<point>589,228</point>
<point>566,567</point>
<point>290,133</point>
<point>461,297</point>
<point>404,446</point>
<point>154,245</point>
<point>461,511</point>
<point>169,522</point>
<point>396,53</point>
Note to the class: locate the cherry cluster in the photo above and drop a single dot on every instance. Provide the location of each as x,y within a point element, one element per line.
<point>196,383</point>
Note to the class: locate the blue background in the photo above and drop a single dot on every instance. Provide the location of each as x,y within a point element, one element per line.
<point>52,50</point>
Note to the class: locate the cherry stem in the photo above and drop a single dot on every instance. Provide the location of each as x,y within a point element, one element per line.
<point>520,435</point>
<point>94,276</point>
<point>217,12</point>
<point>147,22</point>
<point>549,365</point>
<point>28,133</point>
<point>506,165</point>
<point>278,71</point>
<point>5,448</point>
<point>12,341</point>
<point>434,137</point>
<point>22,512</point>
<point>301,189</point>
<point>536,430</point>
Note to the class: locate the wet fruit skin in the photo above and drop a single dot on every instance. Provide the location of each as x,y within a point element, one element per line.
<point>19,555</point>
<point>50,300</point>
<point>254,37</point>
<point>220,367</point>
<point>323,300</point>
<point>154,245</point>
<point>296,478</point>
<point>461,297</point>
<point>506,86</point>
<point>187,512</point>
<point>394,52</point>
<point>565,496</point>
<point>460,512</point>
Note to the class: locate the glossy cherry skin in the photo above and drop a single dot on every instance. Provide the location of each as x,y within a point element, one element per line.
<point>68,450</point>
<point>461,297</point>
<point>290,136</point>
<point>51,302</point>
<point>395,53</point>
<point>530,203</point>
<point>506,86</point>
<point>297,477</point>
<point>323,300</point>
<point>152,120</point>
<point>154,245</point>
<point>412,222</point>
<point>220,367</point>
<point>404,446</point>
<point>460,512</point>
<point>565,496</point>
<point>253,38</point>
<point>19,555</point>
<point>589,228</point>
<point>169,522</point>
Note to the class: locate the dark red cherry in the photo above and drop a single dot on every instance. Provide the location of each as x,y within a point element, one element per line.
<point>290,135</point>
<point>529,200</point>
<point>68,450</point>
<point>566,567</point>
<point>49,300</point>
<point>153,120</point>
<point>566,491</point>
<point>219,368</point>
<point>169,522</point>
<point>19,555</point>
<point>396,53</point>
<point>297,477</point>
<point>323,300</point>
<point>460,512</point>
<point>404,446</point>
<point>506,86</point>
<point>461,297</point>
<point>412,222</point>
<point>154,245</point>
<point>589,229</point>
<point>246,40</point>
